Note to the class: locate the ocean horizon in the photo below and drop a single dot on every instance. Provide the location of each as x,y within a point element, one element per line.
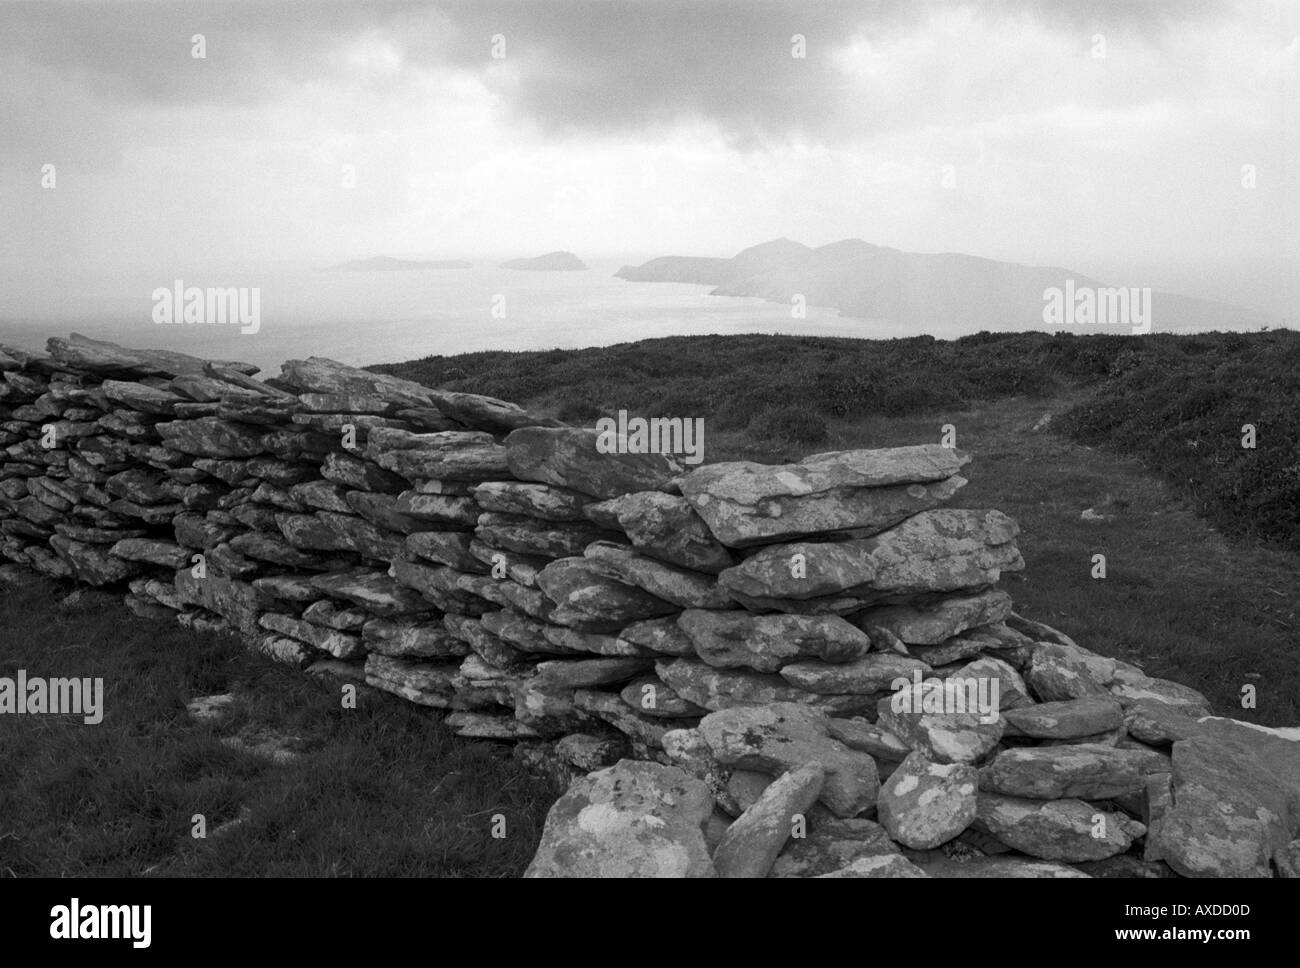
<point>367,317</point>
<point>363,318</point>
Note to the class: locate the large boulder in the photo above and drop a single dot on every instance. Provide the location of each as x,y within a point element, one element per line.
<point>633,819</point>
<point>1236,800</point>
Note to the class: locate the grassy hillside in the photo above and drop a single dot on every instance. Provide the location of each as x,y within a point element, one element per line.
<point>1176,403</point>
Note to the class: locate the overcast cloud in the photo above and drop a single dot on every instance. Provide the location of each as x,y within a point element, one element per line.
<point>649,127</point>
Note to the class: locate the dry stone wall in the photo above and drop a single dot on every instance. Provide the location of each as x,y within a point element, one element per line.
<point>746,670</point>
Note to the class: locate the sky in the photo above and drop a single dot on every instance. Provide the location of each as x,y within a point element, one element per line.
<point>1112,136</point>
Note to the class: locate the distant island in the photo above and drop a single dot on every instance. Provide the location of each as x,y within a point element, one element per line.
<point>929,292</point>
<point>678,268</point>
<point>551,262</point>
<point>383,263</point>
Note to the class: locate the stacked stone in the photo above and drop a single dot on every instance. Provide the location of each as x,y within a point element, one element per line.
<point>743,632</point>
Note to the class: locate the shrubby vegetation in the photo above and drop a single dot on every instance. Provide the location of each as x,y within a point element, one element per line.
<point>1182,407</point>
<point>1176,402</point>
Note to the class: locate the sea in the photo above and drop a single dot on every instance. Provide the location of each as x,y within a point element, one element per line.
<point>361,318</point>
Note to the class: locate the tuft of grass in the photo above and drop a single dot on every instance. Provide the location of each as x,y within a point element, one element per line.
<point>789,424</point>
<point>380,790</point>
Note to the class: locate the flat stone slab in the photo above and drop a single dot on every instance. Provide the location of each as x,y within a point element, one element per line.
<point>1065,830</point>
<point>894,865</point>
<point>831,845</point>
<point>1157,723</point>
<point>764,643</point>
<point>1083,770</point>
<point>872,673</point>
<point>936,622</point>
<point>999,867</point>
<point>666,527</point>
<point>110,359</point>
<point>751,844</point>
<point>372,590</point>
<point>717,689</point>
<point>935,551</point>
<point>487,413</point>
<point>1066,720</point>
<point>745,503</point>
<point>1060,672</point>
<point>575,583</point>
<point>684,588</point>
<point>1130,687</point>
<point>570,457</point>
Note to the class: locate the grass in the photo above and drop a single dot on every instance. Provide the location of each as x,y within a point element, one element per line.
<point>380,790</point>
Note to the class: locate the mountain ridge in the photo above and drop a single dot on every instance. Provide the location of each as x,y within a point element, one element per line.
<point>946,291</point>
